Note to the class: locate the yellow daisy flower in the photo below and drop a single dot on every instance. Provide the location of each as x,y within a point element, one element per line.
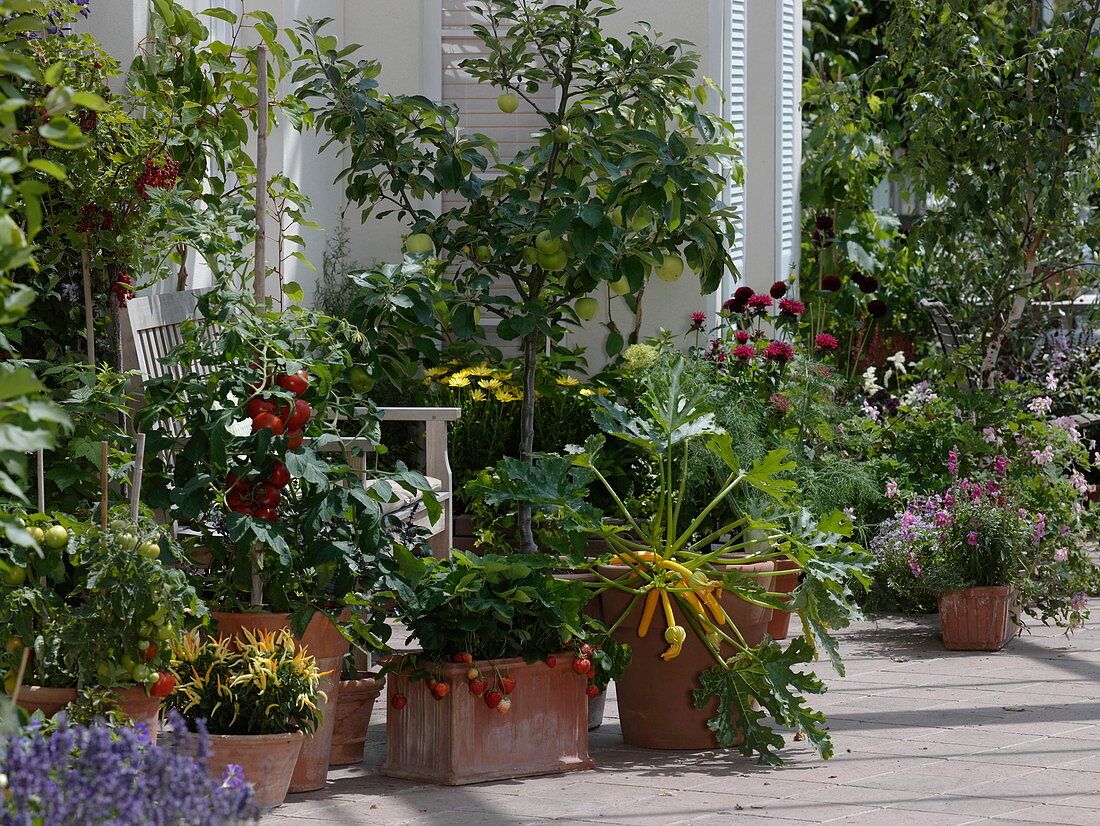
<point>480,370</point>
<point>587,391</point>
<point>479,396</point>
<point>490,384</point>
<point>432,372</point>
<point>568,381</point>
<point>457,381</point>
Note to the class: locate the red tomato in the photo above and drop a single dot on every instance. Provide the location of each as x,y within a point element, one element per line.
<point>268,421</point>
<point>280,476</point>
<point>256,406</point>
<point>151,651</point>
<point>165,685</point>
<point>294,440</point>
<point>237,504</point>
<point>296,384</point>
<point>268,514</point>
<point>267,495</point>
<point>299,416</point>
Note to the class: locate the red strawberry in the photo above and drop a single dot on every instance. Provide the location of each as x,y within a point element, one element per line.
<point>585,650</point>
<point>493,698</point>
<point>473,674</point>
<point>591,674</point>
<point>581,665</point>
<point>508,684</point>
<point>463,657</point>
<point>440,690</point>
<point>551,661</point>
<point>592,691</point>
<point>504,706</point>
<point>477,687</point>
<point>399,701</point>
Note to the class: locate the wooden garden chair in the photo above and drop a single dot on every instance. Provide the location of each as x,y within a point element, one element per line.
<point>154,325</point>
<point>951,341</point>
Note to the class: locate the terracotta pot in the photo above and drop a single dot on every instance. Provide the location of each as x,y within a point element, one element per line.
<point>655,696</point>
<point>324,641</point>
<point>459,739</point>
<point>267,761</point>
<point>978,619</point>
<point>596,707</point>
<point>139,706</point>
<point>354,703</point>
<point>785,583</point>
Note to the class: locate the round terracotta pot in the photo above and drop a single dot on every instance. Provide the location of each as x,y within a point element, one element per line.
<point>138,705</point>
<point>596,707</point>
<point>324,641</point>
<point>785,583</point>
<point>267,761</point>
<point>978,619</point>
<point>654,695</point>
<point>354,704</point>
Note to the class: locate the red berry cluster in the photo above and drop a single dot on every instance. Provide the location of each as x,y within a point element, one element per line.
<point>93,217</point>
<point>158,175</point>
<point>87,119</point>
<point>123,289</point>
<point>583,665</point>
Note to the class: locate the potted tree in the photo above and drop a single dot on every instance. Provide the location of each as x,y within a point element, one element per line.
<point>985,560</point>
<point>268,438</point>
<point>505,651</point>
<point>259,696</point>
<point>625,177</point>
<point>695,684</point>
<point>86,607</point>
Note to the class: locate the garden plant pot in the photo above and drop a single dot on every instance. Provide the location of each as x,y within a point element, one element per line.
<point>594,609</point>
<point>323,641</point>
<point>655,696</point>
<point>354,703</point>
<point>785,583</point>
<point>267,761</point>
<point>596,708</point>
<point>978,619</point>
<point>138,705</point>
<point>459,739</point>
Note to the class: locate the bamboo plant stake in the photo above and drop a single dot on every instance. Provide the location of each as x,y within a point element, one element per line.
<point>40,462</point>
<point>89,321</point>
<point>135,483</point>
<point>103,485</point>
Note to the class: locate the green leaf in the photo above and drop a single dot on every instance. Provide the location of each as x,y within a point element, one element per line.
<point>293,290</point>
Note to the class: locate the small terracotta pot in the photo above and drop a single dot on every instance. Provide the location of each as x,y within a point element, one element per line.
<point>656,709</point>
<point>354,704</point>
<point>596,707</point>
<point>459,739</point>
<point>266,759</point>
<point>785,583</point>
<point>138,705</point>
<point>978,619</point>
<point>323,640</point>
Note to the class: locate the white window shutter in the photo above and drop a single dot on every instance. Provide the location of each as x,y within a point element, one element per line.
<point>789,137</point>
<point>737,114</point>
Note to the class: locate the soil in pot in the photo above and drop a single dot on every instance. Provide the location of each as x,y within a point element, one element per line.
<point>324,641</point>
<point>354,704</point>
<point>267,761</point>
<point>978,619</point>
<point>460,739</point>
<point>135,701</point>
<point>655,696</point>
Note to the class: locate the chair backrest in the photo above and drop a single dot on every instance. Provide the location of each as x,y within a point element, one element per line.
<point>947,331</point>
<point>155,328</point>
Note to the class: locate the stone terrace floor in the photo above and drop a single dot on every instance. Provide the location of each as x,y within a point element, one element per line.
<point>923,736</point>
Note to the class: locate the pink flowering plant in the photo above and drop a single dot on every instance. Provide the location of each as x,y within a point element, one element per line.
<point>977,533</point>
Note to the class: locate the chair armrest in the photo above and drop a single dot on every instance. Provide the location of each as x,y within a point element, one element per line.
<point>416,414</point>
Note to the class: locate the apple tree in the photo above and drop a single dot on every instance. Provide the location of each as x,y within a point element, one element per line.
<point>624,178</point>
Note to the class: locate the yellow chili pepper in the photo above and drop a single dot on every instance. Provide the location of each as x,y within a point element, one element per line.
<point>648,611</point>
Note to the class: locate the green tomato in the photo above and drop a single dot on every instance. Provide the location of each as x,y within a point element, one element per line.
<point>508,103</point>
<point>57,537</point>
<point>165,632</point>
<point>37,534</point>
<point>672,267</point>
<point>361,381</point>
<point>546,243</point>
<point>530,256</point>
<point>483,253</point>
<point>147,630</point>
<point>419,243</point>
<point>140,673</point>
<point>552,262</point>
<point>121,526</point>
<point>150,550</point>
<point>562,133</point>
<point>157,617</point>
<point>587,308</point>
<point>127,662</point>
<point>105,673</point>
<point>128,541</point>
<point>620,287</point>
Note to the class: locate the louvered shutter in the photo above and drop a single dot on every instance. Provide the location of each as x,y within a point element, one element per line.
<point>736,113</point>
<point>789,136</point>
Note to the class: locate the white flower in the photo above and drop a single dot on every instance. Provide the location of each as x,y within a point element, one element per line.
<point>1079,482</point>
<point>1043,457</point>
<point>870,380</point>
<point>1061,555</point>
<point>1040,406</point>
<point>870,412</point>
<point>898,360</point>
<point>1052,381</point>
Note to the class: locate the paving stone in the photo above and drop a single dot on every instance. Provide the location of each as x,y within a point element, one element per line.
<point>1067,815</point>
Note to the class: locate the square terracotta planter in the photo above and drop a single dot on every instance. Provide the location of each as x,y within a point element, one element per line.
<point>460,740</point>
<point>978,619</point>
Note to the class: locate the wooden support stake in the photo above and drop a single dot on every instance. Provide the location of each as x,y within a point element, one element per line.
<point>257,583</point>
<point>103,485</point>
<point>135,483</point>
<point>262,109</point>
<point>89,320</point>
<point>21,673</point>
<point>40,461</point>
